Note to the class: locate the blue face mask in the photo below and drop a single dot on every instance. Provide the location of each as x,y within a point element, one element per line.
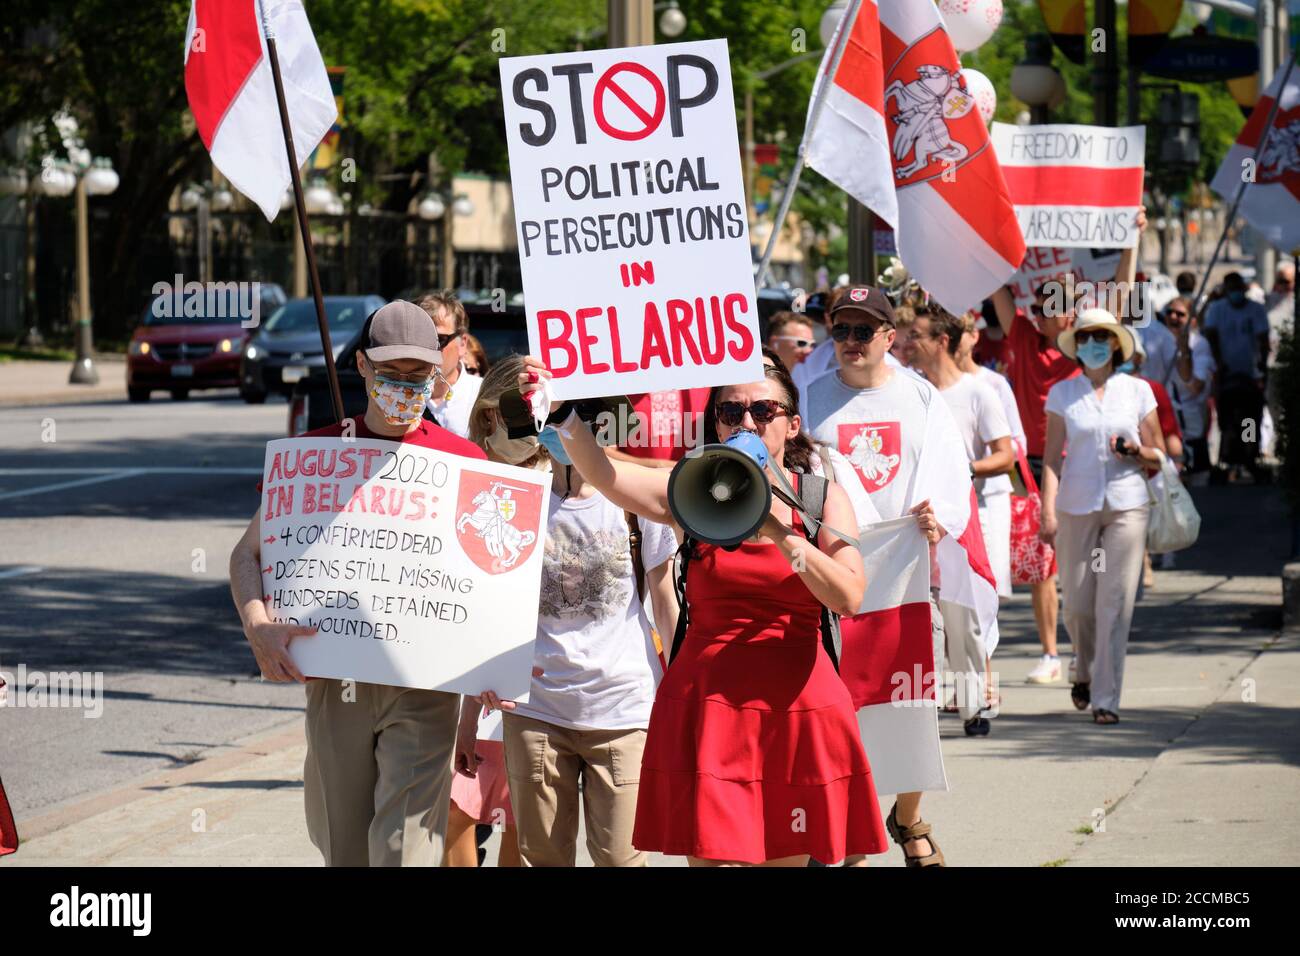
<point>1094,354</point>
<point>549,439</point>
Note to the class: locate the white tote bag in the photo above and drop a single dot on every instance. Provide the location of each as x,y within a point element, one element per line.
<point>1174,523</point>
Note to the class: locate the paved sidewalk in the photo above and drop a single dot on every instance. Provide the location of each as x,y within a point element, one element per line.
<point>46,383</point>
<point>1203,770</point>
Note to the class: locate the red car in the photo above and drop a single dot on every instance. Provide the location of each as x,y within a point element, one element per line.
<point>193,340</point>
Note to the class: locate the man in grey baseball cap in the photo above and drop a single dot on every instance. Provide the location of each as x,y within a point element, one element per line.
<point>377,779</point>
<point>400,330</point>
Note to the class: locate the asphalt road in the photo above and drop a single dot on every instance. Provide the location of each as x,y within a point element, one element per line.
<point>116,524</point>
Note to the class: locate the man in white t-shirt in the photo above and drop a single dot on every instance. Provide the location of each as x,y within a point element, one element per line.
<point>456,390</point>
<point>587,712</point>
<point>876,416</point>
<point>937,336</point>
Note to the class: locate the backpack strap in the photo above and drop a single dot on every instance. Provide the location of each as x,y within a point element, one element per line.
<point>634,546</point>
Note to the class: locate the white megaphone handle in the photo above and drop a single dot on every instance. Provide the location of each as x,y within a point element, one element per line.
<point>782,488</point>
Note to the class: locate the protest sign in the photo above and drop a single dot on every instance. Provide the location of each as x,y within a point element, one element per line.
<point>1044,264</point>
<point>1074,186</point>
<point>419,568</point>
<point>631,220</point>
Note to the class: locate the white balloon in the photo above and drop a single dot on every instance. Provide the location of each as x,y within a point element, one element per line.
<point>981,88</point>
<point>970,23</point>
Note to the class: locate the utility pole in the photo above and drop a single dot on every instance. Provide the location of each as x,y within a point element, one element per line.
<point>631,23</point>
<point>1105,67</point>
<point>1266,20</point>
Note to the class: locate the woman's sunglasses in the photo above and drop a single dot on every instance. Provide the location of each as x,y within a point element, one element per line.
<point>1096,335</point>
<point>764,412</point>
<point>862,332</point>
<point>796,342</point>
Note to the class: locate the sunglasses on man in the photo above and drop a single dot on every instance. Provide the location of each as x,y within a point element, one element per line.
<point>445,339</point>
<point>862,332</point>
<point>764,412</point>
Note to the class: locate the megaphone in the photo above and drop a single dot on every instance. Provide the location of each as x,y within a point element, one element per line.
<point>719,493</point>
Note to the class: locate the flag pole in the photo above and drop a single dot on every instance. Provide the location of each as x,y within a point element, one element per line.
<point>840,41</point>
<point>304,228</point>
<point>1241,189</point>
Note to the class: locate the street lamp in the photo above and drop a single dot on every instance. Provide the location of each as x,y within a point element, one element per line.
<point>431,207</point>
<point>831,20</point>
<point>672,22</point>
<point>1034,81</point>
<point>97,178</point>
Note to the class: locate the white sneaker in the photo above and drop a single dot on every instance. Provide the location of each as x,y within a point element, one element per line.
<point>1046,671</point>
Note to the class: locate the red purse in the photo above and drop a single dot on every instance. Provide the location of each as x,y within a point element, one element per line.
<point>1032,561</point>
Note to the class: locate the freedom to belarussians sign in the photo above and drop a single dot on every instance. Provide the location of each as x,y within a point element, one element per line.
<point>418,568</point>
<point>1074,186</point>
<point>630,215</point>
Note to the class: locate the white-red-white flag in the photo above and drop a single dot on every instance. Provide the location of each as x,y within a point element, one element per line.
<point>888,660</point>
<point>232,94</point>
<point>850,145</point>
<point>1271,203</point>
<point>898,102</point>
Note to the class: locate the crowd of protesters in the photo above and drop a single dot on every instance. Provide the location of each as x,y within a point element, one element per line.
<point>1072,408</point>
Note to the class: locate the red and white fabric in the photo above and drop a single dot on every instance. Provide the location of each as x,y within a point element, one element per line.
<point>1271,203</point>
<point>899,104</point>
<point>232,93</point>
<point>888,660</point>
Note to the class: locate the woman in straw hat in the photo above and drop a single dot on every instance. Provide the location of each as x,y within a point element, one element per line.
<point>1095,501</point>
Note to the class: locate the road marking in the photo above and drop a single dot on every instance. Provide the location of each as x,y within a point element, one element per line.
<point>59,486</point>
<point>19,571</point>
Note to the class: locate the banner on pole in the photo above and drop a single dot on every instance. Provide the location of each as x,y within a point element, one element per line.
<point>1074,186</point>
<point>631,220</point>
<point>419,568</point>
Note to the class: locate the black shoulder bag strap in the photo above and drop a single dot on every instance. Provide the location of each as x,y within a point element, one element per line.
<point>812,495</point>
<point>684,554</point>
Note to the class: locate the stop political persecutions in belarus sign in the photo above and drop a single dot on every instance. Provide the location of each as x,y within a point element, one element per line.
<point>1074,186</point>
<point>419,568</point>
<point>630,214</point>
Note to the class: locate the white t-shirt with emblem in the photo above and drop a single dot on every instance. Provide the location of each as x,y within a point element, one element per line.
<point>599,663</point>
<point>879,430</point>
<point>453,413</point>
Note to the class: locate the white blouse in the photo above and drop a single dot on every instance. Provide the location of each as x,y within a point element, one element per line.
<point>1093,476</point>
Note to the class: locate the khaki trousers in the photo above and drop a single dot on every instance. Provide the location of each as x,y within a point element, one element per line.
<point>377,779</point>
<point>964,646</point>
<point>1100,561</point>
<point>545,762</point>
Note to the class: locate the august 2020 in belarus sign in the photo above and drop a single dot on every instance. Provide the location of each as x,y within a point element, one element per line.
<point>631,220</point>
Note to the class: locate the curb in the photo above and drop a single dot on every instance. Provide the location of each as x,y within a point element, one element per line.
<point>258,746</point>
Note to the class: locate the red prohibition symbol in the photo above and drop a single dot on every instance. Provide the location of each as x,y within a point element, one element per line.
<point>650,120</point>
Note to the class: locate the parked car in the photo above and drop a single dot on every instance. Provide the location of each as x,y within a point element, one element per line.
<point>193,339</point>
<point>287,347</point>
<point>310,407</point>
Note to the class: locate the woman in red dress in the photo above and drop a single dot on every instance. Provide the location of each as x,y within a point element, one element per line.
<point>753,755</point>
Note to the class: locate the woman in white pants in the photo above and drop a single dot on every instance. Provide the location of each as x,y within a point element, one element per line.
<point>1095,504</point>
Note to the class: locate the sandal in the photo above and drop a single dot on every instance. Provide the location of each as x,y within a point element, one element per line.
<point>977,727</point>
<point>903,835</point>
<point>1081,695</point>
<point>1104,716</point>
